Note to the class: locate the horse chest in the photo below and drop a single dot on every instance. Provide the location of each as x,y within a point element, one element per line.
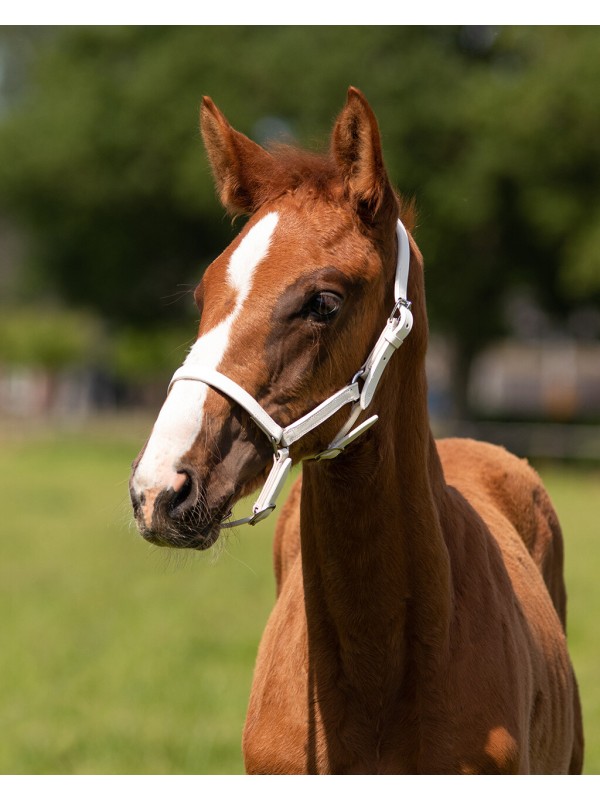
<point>304,717</point>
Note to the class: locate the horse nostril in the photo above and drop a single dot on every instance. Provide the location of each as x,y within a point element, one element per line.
<point>182,488</point>
<point>137,498</point>
<point>136,502</point>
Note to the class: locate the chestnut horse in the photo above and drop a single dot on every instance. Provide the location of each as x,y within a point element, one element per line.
<point>419,625</point>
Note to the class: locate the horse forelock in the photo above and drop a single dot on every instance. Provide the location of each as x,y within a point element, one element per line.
<point>315,176</point>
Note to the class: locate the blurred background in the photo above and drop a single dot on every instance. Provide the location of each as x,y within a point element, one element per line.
<point>119,659</point>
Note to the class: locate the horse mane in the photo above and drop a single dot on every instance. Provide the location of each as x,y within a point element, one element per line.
<point>317,175</point>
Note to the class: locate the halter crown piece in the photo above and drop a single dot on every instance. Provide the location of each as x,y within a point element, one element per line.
<point>396,330</point>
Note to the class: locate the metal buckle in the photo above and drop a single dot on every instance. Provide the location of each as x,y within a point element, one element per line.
<point>359,374</point>
<point>400,303</point>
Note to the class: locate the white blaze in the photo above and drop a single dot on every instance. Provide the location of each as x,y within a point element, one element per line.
<point>180,419</point>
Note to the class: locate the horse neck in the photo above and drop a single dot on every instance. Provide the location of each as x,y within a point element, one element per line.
<point>374,560</point>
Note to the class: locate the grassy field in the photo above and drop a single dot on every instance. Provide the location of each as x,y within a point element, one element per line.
<point>122,659</point>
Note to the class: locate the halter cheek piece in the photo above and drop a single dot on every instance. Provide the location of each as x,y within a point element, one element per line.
<point>397,328</point>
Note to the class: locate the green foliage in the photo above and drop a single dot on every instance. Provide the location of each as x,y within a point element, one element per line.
<point>48,338</point>
<point>493,131</point>
<point>580,270</point>
<point>152,352</point>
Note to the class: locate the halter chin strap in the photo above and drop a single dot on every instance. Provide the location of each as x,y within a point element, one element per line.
<point>397,328</point>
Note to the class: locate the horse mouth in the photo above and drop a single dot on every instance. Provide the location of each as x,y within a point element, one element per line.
<point>183,538</point>
<point>195,529</point>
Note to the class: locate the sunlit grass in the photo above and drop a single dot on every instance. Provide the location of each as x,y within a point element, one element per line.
<point>119,658</point>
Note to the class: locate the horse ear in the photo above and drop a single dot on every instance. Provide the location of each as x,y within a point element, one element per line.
<point>240,166</point>
<point>356,147</point>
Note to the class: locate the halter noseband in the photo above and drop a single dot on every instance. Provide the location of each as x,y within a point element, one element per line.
<point>397,328</point>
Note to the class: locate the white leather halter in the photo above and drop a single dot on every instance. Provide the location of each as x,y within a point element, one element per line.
<point>397,328</point>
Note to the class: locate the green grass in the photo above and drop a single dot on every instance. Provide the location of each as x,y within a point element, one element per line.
<point>576,496</point>
<point>117,657</point>
<point>123,659</point>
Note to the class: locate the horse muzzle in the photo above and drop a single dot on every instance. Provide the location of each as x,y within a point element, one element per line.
<point>187,504</point>
<point>178,515</point>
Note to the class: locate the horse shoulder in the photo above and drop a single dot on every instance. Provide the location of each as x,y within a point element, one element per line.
<point>482,471</point>
<point>286,544</point>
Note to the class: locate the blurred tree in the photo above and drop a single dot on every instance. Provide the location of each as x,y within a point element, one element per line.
<point>48,338</point>
<point>493,131</point>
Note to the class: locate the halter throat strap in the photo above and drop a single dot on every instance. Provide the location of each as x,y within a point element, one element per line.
<point>397,328</point>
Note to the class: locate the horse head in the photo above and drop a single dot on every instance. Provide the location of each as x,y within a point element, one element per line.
<point>290,313</point>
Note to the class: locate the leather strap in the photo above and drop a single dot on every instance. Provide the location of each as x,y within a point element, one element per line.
<point>277,434</point>
<point>326,409</point>
<point>394,333</point>
<point>217,380</point>
<point>265,502</point>
<point>402,263</point>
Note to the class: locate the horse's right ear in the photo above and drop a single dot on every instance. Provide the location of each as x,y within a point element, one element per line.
<point>240,166</point>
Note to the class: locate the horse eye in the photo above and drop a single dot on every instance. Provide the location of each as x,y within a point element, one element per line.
<point>324,306</point>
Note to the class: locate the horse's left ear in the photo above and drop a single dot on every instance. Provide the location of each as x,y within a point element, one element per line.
<point>356,147</point>
<point>241,168</point>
